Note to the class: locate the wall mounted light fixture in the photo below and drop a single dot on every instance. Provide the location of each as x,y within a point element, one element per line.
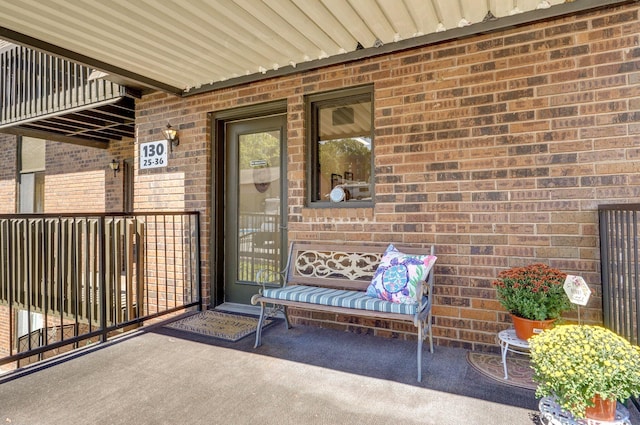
<point>115,166</point>
<point>171,135</point>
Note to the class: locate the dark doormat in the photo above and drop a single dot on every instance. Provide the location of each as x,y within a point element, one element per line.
<point>490,365</point>
<point>227,326</point>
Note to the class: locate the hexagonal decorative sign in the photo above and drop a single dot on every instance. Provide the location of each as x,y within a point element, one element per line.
<point>577,290</point>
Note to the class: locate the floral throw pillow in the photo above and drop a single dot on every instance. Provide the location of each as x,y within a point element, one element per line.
<point>398,276</point>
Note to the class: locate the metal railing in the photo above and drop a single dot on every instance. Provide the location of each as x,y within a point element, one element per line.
<point>96,274</point>
<point>620,264</point>
<point>34,84</point>
<point>259,244</point>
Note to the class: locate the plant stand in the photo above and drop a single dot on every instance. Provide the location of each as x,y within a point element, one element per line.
<point>510,342</point>
<point>552,414</point>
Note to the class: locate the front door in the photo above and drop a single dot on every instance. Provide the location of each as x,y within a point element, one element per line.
<point>254,204</point>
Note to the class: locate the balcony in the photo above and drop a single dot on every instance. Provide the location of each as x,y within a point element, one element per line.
<point>51,98</point>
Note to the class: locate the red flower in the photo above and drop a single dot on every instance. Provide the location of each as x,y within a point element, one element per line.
<point>534,292</point>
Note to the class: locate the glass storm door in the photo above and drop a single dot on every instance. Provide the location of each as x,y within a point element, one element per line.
<point>254,226</point>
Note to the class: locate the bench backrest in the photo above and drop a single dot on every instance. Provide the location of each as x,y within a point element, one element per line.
<point>338,265</point>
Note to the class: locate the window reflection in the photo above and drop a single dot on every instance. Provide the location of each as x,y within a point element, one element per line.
<point>343,148</point>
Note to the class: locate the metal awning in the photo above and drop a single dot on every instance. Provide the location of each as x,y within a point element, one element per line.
<point>186,47</point>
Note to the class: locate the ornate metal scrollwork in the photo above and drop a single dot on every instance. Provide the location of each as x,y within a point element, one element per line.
<point>349,265</point>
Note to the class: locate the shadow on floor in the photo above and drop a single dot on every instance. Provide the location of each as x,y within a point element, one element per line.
<point>374,357</point>
<point>303,375</point>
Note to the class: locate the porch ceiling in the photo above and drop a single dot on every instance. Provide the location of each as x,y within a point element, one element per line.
<point>186,47</point>
<point>92,125</point>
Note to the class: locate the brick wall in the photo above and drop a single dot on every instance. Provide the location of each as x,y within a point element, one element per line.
<point>185,184</point>
<point>8,174</point>
<point>496,148</point>
<point>79,179</point>
<point>5,331</point>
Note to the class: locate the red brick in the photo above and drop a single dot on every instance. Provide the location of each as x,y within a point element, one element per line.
<point>497,148</point>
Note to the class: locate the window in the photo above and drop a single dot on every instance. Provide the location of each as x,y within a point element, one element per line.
<point>341,146</point>
<point>31,177</point>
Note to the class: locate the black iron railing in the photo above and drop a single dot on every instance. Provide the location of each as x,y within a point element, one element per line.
<point>620,263</point>
<point>94,274</point>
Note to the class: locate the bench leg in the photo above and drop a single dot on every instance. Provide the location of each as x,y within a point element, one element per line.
<point>285,312</point>
<point>430,332</point>
<point>424,326</point>
<point>259,327</point>
<point>271,313</point>
<point>420,339</point>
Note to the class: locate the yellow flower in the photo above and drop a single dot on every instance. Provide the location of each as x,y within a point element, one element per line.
<point>574,362</point>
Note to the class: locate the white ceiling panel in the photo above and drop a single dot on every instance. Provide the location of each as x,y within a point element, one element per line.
<point>400,18</point>
<point>449,12</point>
<point>305,26</point>
<point>500,7</point>
<point>473,11</point>
<point>351,22</point>
<point>285,29</point>
<point>317,12</point>
<point>180,46</point>
<point>424,16</point>
<point>375,20</point>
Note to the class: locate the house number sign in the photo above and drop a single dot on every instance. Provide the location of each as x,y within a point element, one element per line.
<point>153,154</point>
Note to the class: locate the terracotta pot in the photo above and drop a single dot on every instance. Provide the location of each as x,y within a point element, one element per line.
<point>526,328</point>
<point>604,409</point>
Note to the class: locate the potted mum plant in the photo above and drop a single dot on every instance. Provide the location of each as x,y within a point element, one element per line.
<point>534,295</point>
<point>584,366</point>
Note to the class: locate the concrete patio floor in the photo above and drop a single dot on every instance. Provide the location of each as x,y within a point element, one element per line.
<point>304,375</point>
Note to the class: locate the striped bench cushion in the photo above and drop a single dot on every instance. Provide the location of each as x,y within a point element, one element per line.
<point>337,298</point>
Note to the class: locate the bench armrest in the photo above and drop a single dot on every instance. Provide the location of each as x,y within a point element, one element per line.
<point>274,278</point>
<point>270,278</point>
<point>424,294</point>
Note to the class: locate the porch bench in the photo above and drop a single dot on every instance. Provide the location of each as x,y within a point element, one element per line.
<point>334,278</point>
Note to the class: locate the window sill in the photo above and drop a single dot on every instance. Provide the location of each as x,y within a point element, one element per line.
<point>347,204</point>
